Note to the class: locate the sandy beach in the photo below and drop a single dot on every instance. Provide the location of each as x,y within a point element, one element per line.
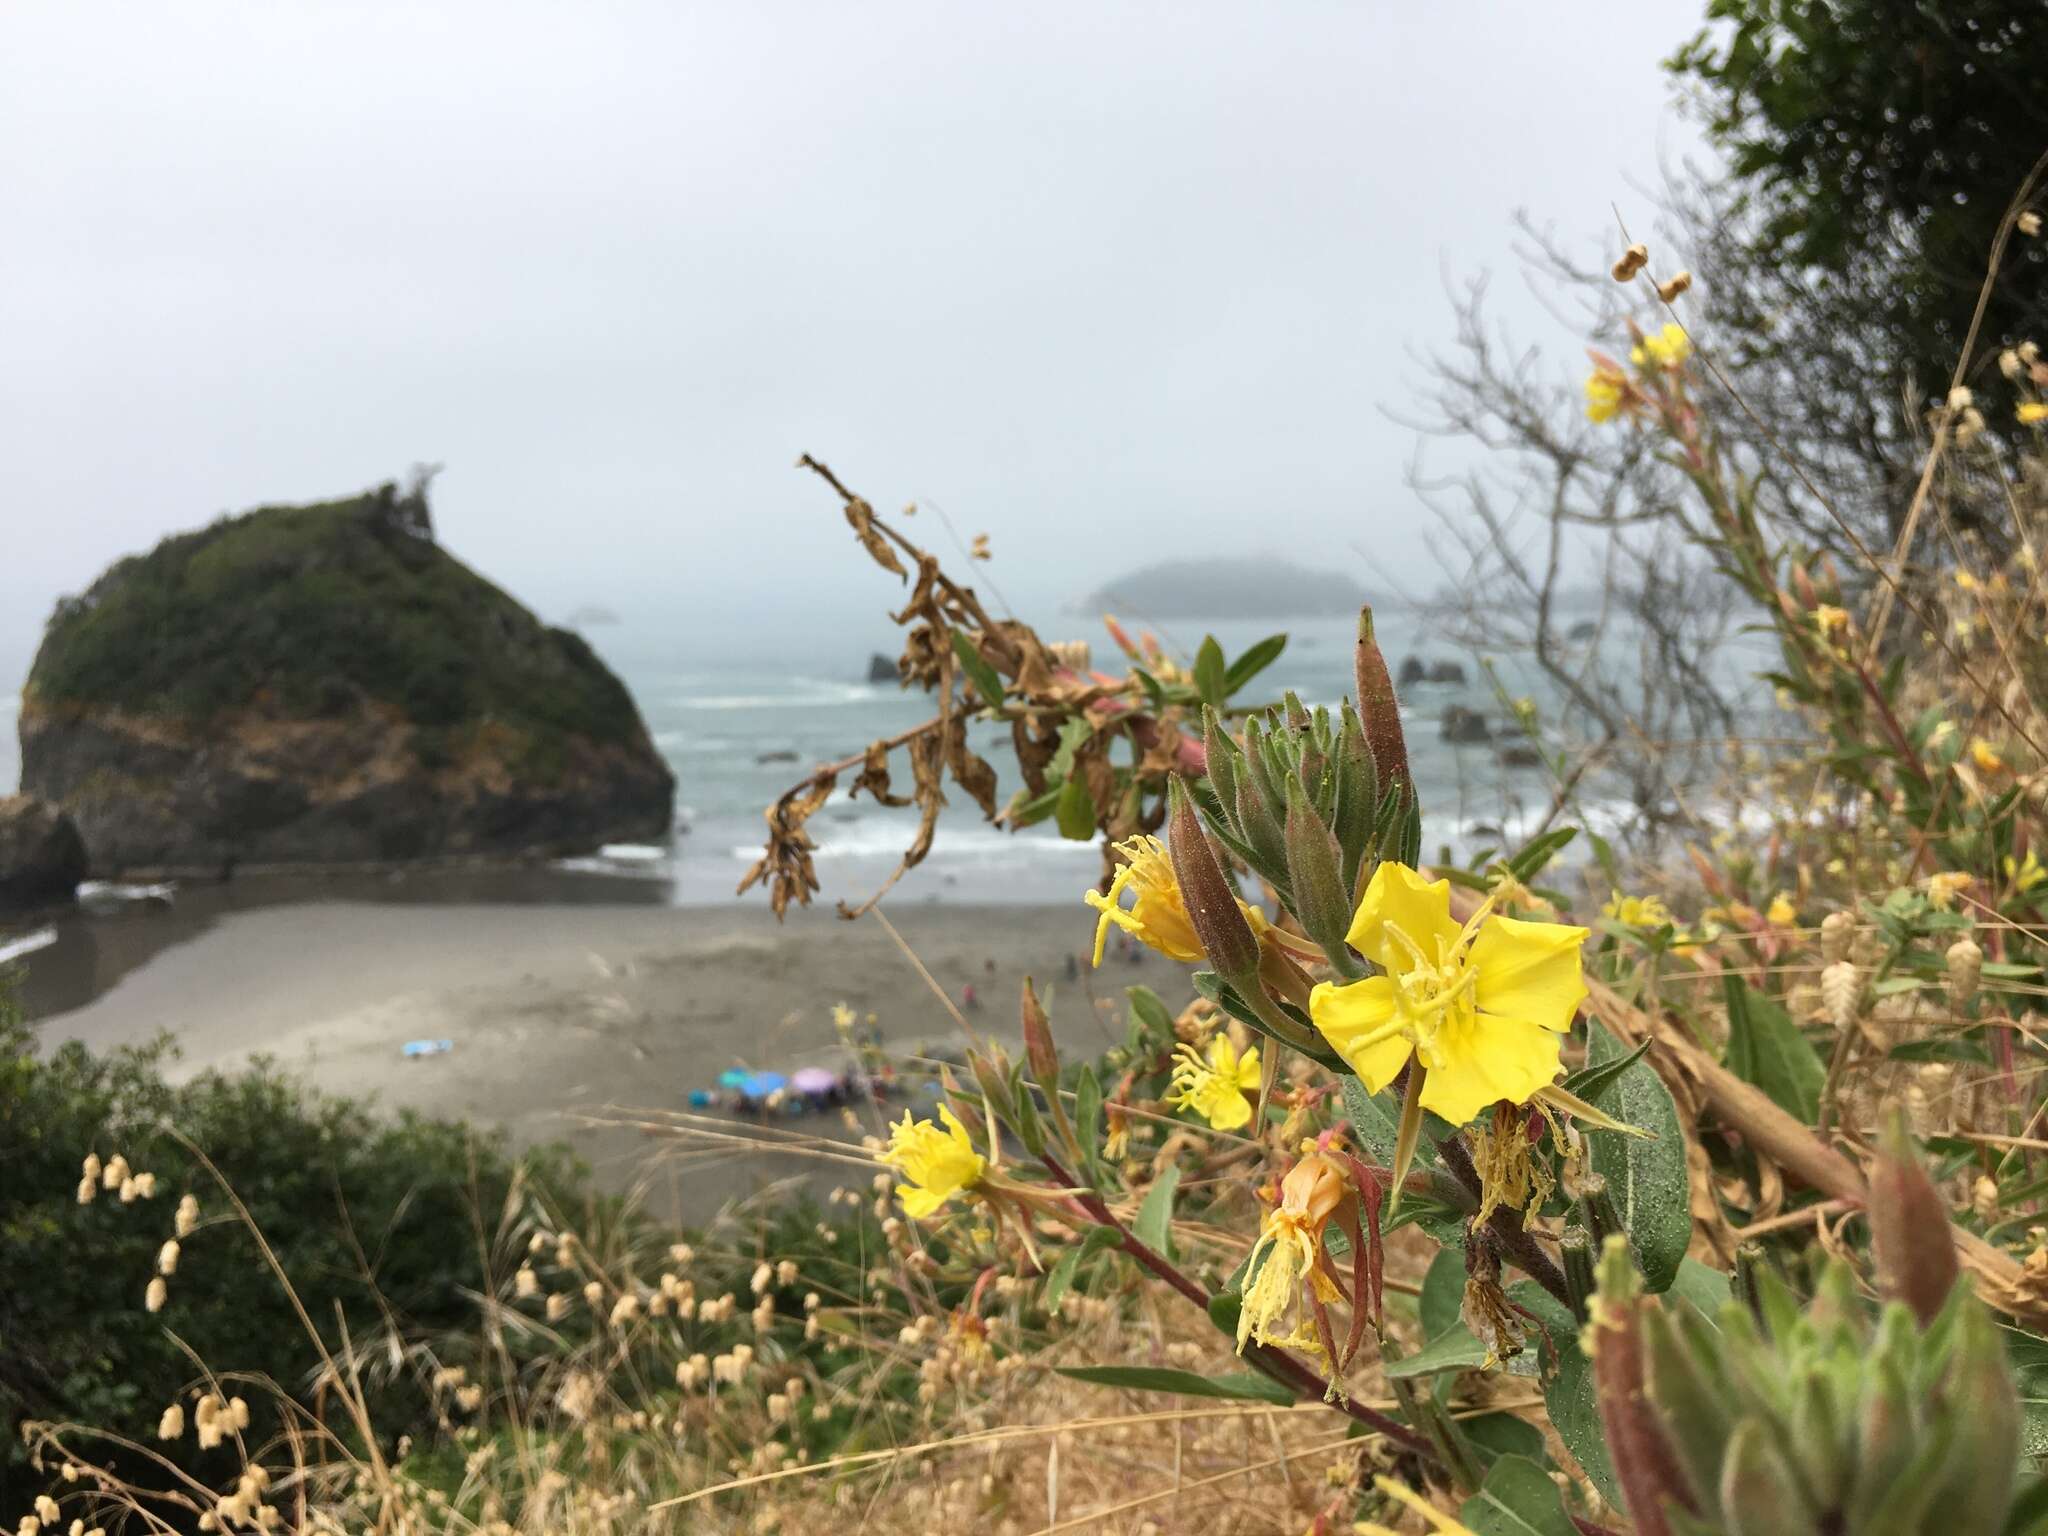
<point>564,1014</point>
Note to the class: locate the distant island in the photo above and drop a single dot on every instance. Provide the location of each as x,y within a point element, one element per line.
<point>325,684</point>
<point>1262,588</point>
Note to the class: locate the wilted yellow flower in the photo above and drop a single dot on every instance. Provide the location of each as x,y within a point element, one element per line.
<point>1986,757</point>
<point>1289,1238</point>
<point>1605,390</point>
<point>2025,873</point>
<point>2032,412</point>
<point>1669,347</point>
<point>1215,1086</point>
<point>842,1016</point>
<point>1781,913</point>
<point>1157,915</point>
<point>937,1164</point>
<point>1480,1006</point>
<point>1637,911</point>
<point>1944,886</point>
<point>1440,1524</point>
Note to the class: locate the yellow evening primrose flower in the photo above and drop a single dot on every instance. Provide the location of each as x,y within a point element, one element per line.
<point>2032,413</point>
<point>1214,1086</point>
<point>842,1016</point>
<point>1781,913</point>
<point>1637,911</point>
<point>1986,757</point>
<point>1290,1238</point>
<point>1157,916</point>
<point>2026,873</point>
<point>938,1164</point>
<point>1604,389</point>
<point>1480,1006</point>
<point>1944,886</point>
<point>1670,347</point>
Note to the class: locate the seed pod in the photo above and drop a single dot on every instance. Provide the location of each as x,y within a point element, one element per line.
<point>1836,930</point>
<point>1911,1248</point>
<point>1632,261</point>
<point>1575,1248</point>
<point>1984,1198</point>
<point>1672,287</point>
<point>1039,1049</point>
<point>1965,967</point>
<point>1213,912</point>
<point>1841,991</point>
<point>1261,832</point>
<point>1986,1407</point>
<point>1380,712</point>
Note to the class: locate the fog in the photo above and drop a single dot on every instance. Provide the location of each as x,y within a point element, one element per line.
<point>1089,277</point>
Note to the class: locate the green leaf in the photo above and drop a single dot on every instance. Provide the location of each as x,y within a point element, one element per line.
<point>1766,1048</point>
<point>1502,1434</point>
<point>1256,659</point>
<point>1517,1499</point>
<point>1147,1009</point>
<point>1707,1289</point>
<point>1154,1226</point>
<point>1245,1386</point>
<point>1443,1294</point>
<point>1210,674</point>
<point>985,677</point>
<point>1213,987</point>
<point>1075,811</point>
<point>1568,1387</point>
<point>1457,1349</point>
<point>1377,1119</point>
<point>1088,1117</point>
<point>1527,864</point>
<point>1029,811</point>
<point>1061,1280</point>
<point>1588,1081</point>
<point>2028,1353</point>
<point>1646,1175</point>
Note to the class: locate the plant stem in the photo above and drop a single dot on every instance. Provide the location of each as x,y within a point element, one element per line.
<point>1276,1363</point>
<point>1517,1243</point>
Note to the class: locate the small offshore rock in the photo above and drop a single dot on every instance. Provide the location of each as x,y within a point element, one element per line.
<point>1463,726</point>
<point>881,669</point>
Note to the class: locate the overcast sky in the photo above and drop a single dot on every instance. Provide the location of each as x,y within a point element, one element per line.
<point>1084,274</point>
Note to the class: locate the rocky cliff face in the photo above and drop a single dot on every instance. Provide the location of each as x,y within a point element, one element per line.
<point>42,857</point>
<point>317,685</point>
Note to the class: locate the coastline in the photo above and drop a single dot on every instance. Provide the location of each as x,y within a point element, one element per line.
<point>563,1014</point>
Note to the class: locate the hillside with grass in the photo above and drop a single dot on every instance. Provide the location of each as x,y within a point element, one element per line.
<point>325,683</point>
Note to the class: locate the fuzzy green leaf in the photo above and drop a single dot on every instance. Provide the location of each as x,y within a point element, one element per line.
<point>1244,1386</point>
<point>1517,1499</point>
<point>1255,659</point>
<point>1646,1175</point>
<point>1766,1048</point>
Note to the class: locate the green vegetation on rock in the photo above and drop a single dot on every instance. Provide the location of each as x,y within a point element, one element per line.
<point>311,611</point>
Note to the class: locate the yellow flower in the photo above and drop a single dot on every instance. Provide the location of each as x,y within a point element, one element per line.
<point>1157,916</point>
<point>1604,391</point>
<point>1831,619</point>
<point>1782,914</point>
<point>1290,1237</point>
<point>1944,886</point>
<point>1986,757</point>
<point>2026,873</point>
<point>1215,1087</point>
<point>1637,911</point>
<point>1966,581</point>
<point>1670,347</point>
<point>2032,413</point>
<point>938,1164</point>
<point>1481,1007</point>
<point>842,1016</point>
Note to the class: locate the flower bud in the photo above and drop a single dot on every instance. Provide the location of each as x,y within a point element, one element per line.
<point>1219,922</point>
<point>1315,878</point>
<point>1358,800</point>
<point>1841,991</point>
<point>1645,1464</point>
<point>1986,1406</point>
<point>1965,966</point>
<point>1759,1494</point>
<point>1912,1251</point>
<point>1380,711</point>
<point>1836,930</point>
<point>1221,760</point>
<point>1698,1417</point>
<point>1039,1049</point>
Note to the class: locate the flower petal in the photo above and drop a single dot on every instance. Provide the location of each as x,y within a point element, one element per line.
<point>1529,971</point>
<point>1420,908</point>
<point>1348,1014</point>
<point>918,1203</point>
<point>1474,1063</point>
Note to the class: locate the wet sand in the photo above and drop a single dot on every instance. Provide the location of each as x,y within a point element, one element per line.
<point>560,1014</point>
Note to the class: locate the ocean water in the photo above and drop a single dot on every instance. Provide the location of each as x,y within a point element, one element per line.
<point>737,735</point>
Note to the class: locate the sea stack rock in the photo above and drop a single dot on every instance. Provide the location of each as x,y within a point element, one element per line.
<point>325,685</point>
<point>42,857</point>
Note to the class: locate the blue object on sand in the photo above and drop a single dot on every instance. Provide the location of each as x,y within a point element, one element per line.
<point>759,1085</point>
<point>428,1047</point>
<point>700,1098</point>
<point>732,1077</point>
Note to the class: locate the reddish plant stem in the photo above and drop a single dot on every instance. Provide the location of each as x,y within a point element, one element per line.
<point>1274,1362</point>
